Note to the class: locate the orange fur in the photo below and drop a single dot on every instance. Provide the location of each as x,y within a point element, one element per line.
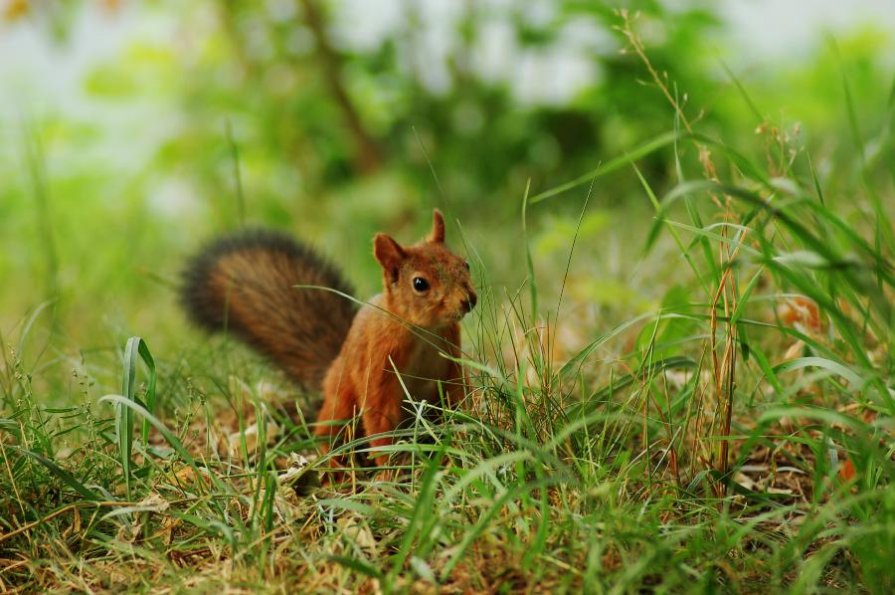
<point>250,284</point>
<point>396,339</point>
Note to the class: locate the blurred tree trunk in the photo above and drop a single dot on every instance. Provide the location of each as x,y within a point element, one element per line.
<point>368,156</point>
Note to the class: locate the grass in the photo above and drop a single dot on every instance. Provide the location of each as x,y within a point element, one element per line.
<point>736,435</point>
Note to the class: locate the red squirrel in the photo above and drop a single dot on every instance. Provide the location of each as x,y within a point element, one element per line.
<point>362,359</point>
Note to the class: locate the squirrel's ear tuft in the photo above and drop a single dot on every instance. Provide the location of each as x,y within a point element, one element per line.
<point>436,236</point>
<point>389,253</point>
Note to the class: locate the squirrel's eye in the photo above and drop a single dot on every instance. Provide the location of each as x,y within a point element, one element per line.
<point>420,284</point>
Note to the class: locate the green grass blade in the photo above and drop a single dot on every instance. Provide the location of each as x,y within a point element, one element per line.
<point>640,152</point>
<point>59,472</point>
<point>169,436</point>
<point>135,349</point>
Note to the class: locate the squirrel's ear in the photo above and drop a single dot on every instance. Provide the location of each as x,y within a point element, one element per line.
<point>389,253</point>
<point>436,236</point>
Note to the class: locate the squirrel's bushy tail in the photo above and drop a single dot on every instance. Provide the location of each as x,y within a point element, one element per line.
<point>245,283</point>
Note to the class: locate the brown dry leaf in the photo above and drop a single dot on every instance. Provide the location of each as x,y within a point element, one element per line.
<point>15,10</point>
<point>167,530</point>
<point>155,502</point>
<point>745,481</point>
<point>187,475</point>
<point>847,470</point>
<point>250,434</point>
<point>355,529</point>
<point>802,314</point>
<point>780,491</point>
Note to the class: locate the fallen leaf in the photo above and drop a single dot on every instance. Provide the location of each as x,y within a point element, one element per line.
<point>847,470</point>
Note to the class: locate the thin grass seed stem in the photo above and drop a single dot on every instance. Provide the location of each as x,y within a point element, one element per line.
<point>12,478</point>
<point>724,371</point>
<point>634,40</point>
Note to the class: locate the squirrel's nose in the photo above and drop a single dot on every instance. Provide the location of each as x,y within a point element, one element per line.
<point>470,302</point>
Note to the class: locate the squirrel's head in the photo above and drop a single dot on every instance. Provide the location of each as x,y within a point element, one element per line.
<point>426,284</point>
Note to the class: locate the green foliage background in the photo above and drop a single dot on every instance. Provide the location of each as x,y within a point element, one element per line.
<point>243,88</point>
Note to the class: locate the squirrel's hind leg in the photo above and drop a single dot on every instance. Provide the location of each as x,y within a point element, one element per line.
<point>335,423</point>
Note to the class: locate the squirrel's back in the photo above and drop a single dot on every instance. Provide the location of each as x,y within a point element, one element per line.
<point>246,283</point>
